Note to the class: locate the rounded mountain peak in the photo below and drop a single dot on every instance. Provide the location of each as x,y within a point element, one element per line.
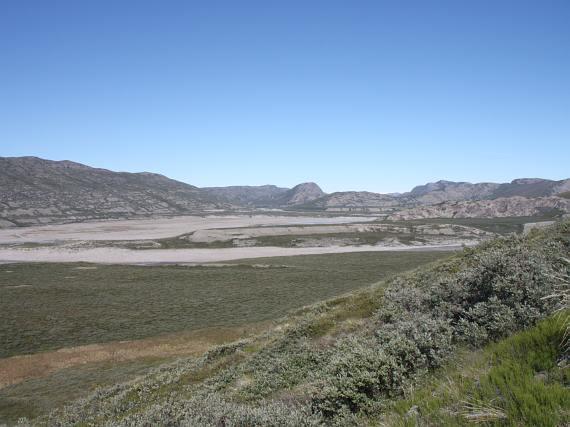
<point>303,193</point>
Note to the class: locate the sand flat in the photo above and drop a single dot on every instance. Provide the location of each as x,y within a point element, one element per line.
<point>143,229</point>
<point>165,256</point>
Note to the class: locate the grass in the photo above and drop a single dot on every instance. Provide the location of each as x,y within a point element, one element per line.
<point>50,306</point>
<point>37,396</point>
<point>355,238</point>
<point>513,382</point>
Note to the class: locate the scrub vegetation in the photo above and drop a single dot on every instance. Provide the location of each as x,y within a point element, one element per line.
<point>50,306</point>
<point>438,346</point>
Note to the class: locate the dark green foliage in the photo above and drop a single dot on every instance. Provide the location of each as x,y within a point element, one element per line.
<point>517,381</point>
<point>49,306</point>
<point>501,289</point>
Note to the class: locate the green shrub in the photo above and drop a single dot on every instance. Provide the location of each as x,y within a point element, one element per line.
<point>501,290</point>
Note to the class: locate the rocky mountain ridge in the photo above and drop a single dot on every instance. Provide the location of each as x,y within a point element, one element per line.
<point>38,191</point>
<point>440,192</point>
<point>444,191</point>
<point>267,196</point>
<point>246,195</point>
<point>495,208</point>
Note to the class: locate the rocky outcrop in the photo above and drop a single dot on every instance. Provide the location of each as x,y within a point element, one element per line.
<point>502,207</point>
<point>532,187</point>
<point>443,191</point>
<point>357,201</point>
<point>438,192</point>
<point>301,194</point>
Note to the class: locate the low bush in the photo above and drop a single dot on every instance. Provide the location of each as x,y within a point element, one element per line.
<point>501,289</point>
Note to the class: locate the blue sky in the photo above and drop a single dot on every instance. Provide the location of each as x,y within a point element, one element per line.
<point>371,95</point>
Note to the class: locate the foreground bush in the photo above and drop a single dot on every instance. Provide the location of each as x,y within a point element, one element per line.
<point>501,289</point>
<point>521,380</point>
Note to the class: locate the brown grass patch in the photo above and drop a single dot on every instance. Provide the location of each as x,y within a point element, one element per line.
<point>14,370</point>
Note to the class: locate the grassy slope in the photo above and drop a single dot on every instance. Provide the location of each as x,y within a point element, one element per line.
<point>49,306</point>
<point>516,381</point>
<point>323,356</point>
<point>38,396</point>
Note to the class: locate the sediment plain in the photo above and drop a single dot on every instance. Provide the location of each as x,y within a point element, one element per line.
<point>100,242</point>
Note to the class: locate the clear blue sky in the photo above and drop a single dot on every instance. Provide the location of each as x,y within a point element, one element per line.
<point>372,95</point>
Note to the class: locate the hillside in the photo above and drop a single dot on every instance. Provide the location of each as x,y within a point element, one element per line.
<point>346,201</point>
<point>443,191</point>
<point>439,192</point>
<point>38,191</point>
<point>497,208</point>
<point>301,194</point>
<point>368,357</point>
<point>261,196</point>
<point>267,196</point>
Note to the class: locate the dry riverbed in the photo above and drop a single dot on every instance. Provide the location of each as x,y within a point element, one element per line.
<point>189,256</point>
<point>224,238</point>
<point>157,228</point>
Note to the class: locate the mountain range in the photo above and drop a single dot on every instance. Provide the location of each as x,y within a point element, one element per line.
<point>39,191</point>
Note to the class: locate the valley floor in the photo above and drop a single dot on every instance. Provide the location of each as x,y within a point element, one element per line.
<point>67,327</point>
<point>142,229</point>
<point>225,238</point>
<point>191,256</point>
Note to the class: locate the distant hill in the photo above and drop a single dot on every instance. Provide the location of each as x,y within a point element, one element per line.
<point>443,191</point>
<point>439,192</point>
<point>267,196</point>
<point>495,208</point>
<point>38,191</point>
<point>301,194</point>
<point>261,196</point>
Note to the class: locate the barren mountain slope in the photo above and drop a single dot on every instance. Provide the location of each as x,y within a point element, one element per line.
<point>263,195</point>
<point>38,191</point>
<point>443,191</point>
<point>502,207</point>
